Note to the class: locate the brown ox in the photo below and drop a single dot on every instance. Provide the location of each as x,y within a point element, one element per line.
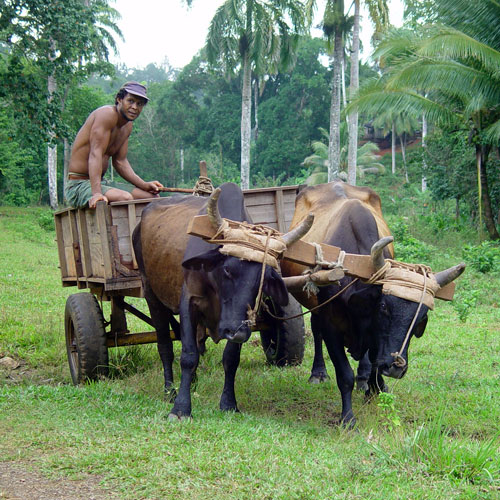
<point>362,318</point>
<point>210,291</point>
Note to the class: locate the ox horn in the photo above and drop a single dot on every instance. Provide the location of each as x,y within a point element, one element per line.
<point>377,251</point>
<point>299,231</point>
<point>449,275</point>
<point>213,209</point>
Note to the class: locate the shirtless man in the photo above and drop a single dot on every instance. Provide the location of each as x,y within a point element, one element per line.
<point>105,135</point>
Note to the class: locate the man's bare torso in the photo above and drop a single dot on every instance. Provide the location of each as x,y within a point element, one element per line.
<point>100,122</point>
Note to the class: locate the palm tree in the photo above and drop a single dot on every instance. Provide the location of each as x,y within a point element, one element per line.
<point>401,125</point>
<point>450,73</point>
<point>379,14</point>
<point>254,35</point>
<point>368,160</point>
<point>335,26</point>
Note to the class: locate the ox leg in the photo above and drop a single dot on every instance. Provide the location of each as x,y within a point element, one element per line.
<point>343,371</point>
<point>162,316</point>
<point>231,361</point>
<point>318,371</point>
<point>189,362</point>
<point>364,372</point>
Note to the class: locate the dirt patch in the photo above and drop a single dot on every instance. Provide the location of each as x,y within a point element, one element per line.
<point>20,481</point>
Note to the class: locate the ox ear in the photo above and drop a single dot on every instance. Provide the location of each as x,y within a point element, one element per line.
<point>418,330</point>
<point>274,287</point>
<point>207,260</point>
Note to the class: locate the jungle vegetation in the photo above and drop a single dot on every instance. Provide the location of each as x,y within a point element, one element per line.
<point>429,95</point>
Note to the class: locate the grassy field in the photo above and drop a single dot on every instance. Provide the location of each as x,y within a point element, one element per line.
<point>436,435</point>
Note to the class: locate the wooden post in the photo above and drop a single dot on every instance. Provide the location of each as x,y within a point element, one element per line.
<point>203,168</point>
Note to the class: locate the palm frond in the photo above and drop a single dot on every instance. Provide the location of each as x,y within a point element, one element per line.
<point>454,44</point>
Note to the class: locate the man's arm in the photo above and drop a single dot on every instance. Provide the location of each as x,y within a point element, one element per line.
<point>100,134</point>
<point>122,166</point>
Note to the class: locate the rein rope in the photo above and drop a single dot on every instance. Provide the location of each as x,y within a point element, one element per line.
<point>259,232</point>
<point>312,308</point>
<point>390,280</point>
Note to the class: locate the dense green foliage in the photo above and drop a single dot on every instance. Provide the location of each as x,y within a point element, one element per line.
<point>195,112</point>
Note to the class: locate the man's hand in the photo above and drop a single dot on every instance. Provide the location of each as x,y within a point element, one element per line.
<point>153,187</point>
<point>95,198</point>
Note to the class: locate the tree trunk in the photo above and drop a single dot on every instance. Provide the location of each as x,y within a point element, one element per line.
<point>182,164</point>
<point>424,163</point>
<point>402,141</point>
<point>393,147</point>
<point>52,154</point>
<point>334,141</point>
<point>256,109</point>
<point>482,152</point>
<point>354,86</point>
<point>67,156</point>
<point>246,115</point>
<point>344,97</point>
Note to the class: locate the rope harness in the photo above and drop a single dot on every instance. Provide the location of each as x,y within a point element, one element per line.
<point>414,282</point>
<point>253,242</point>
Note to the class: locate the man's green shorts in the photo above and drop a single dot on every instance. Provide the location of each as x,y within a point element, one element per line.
<point>78,193</point>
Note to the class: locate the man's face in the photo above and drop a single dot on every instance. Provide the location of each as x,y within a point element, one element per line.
<point>131,106</point>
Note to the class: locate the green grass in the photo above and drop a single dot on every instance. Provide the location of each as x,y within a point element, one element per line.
<point>439,437</point>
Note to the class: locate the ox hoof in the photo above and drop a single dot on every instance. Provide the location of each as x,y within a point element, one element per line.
<point>349,423</point>
<point>173,417</point>
<point>362,385</point>
<point>318,378</point>
<point>233,409</point>
<point>169,394</point>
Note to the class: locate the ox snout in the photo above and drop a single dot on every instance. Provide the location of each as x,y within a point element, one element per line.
<point>238,335</point>
<point>393,370</point>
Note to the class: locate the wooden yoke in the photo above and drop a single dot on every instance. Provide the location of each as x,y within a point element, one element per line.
<point>301,252</point>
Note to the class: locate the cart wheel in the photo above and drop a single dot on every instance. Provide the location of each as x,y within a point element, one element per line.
<point>85,338</point>
<point>283,341</point>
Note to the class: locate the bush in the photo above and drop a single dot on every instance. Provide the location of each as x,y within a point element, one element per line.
<point>46,220</point>
<point>406,247</point>
<point>464,302</point>
<point>484,257</point>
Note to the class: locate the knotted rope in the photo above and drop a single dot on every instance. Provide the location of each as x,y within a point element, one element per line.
<point>310,287</point>
<point>203,186</point>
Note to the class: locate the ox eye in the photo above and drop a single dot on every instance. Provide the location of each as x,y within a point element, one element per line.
<point>383,308</point>
<point>227,273</point>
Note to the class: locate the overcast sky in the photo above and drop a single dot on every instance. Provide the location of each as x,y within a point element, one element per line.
<point>159,29</point>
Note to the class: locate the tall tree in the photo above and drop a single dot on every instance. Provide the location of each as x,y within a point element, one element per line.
<point>335,27</point>
<point>250,35</point>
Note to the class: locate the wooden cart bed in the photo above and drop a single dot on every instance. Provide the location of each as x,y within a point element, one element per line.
<point>95,246</point>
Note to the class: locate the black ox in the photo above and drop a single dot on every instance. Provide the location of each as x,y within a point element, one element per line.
<point>210,291</point>
<point>362,319</point>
